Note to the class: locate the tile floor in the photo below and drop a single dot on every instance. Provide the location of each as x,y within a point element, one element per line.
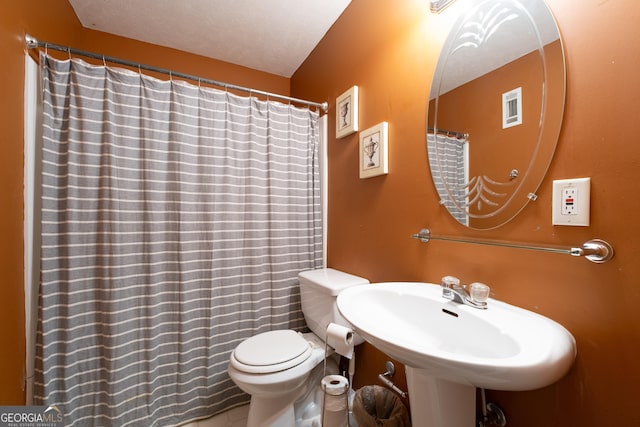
<point>236,417</point>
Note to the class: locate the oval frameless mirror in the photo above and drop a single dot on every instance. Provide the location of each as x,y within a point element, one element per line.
<point>495,110</point>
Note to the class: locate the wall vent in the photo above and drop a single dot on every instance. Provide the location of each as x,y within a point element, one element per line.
<point>512,108</point>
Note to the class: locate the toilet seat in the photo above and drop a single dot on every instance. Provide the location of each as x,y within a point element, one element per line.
<point>271,351</point>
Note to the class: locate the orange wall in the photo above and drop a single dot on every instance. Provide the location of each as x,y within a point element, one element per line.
<point>389,49</point>
<point>54,21</point>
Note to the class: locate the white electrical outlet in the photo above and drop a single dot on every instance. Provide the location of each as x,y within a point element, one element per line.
<point>571,202</point>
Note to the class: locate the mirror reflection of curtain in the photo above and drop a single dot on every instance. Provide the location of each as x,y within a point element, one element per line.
<point>175,221</point>
<point>451,155</point>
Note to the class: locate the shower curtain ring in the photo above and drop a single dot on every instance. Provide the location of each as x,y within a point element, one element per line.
<point>69,52</point>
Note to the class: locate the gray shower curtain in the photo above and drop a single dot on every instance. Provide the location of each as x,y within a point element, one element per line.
<point>175,220</point>
<point>450,175</point>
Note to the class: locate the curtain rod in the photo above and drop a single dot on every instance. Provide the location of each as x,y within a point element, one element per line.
<point>449,132</point>
<point>33,43</point>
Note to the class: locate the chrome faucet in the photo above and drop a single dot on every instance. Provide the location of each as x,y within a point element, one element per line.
<point>476,297</point>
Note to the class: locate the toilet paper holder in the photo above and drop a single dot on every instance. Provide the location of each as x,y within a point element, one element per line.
<point>385,379</point>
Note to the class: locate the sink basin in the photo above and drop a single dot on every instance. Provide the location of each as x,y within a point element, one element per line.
<point>501,348</point>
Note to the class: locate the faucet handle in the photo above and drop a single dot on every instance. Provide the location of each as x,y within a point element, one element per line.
<point>479,292</point>
<point>449,282</point>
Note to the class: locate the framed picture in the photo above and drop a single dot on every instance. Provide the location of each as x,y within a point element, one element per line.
<point>347,113</point>
<point>374,157</point>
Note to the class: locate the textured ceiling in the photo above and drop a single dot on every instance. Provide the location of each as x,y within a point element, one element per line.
<point>274,36</point>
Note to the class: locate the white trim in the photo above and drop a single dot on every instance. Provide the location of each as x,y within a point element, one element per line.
<point>31,219</point>
<point>323,124</point>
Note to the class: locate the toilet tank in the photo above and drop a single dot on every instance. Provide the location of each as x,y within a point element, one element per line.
<point>318,292</point>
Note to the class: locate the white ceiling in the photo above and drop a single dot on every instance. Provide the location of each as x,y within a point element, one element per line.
<point>274,36</point>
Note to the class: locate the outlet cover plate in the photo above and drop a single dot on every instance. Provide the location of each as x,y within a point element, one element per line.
<point>571,202</point>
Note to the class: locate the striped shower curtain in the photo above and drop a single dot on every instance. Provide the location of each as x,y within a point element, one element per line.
<point>448,163</point>
<point>175,220</point>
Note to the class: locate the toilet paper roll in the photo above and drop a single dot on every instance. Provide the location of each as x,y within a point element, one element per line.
<point>334,385</point>
<point>340,338</point>
<point>334,406</point>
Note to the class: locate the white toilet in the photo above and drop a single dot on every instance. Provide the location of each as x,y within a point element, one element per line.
<point>277,367</point>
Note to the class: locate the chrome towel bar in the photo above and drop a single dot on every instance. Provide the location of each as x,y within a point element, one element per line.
<point>595,250</point>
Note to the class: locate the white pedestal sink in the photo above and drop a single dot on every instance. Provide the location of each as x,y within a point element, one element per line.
<point>449,349</point>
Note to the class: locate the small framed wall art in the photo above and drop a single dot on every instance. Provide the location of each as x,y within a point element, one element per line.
<point>374,149</point>
<point>347,112</point>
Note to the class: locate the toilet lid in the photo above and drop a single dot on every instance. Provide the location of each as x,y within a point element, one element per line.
<point>272,351</point>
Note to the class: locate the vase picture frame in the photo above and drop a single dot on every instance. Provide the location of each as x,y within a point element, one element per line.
<point>347,112</point>
<point>374,151</point>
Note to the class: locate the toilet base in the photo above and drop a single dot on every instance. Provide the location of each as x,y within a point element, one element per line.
<point>300,408</point>
<point>269,412</point>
